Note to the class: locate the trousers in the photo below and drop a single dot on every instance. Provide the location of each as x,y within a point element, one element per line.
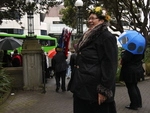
<point>60,76</point>
<point>134,94</point>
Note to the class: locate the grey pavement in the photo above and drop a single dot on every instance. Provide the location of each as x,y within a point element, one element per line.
<point>52,102</point>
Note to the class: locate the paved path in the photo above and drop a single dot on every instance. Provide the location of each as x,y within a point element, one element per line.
<point>52,102</point>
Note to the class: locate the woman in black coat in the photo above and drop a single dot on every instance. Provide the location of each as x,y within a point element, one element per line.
<point>131,72</point>
<point>59,65</point>
<point>93,82</point>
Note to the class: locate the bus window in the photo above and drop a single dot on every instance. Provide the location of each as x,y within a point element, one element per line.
<point>47,42</point>
<point>42,42</point>
<point>51,42</point>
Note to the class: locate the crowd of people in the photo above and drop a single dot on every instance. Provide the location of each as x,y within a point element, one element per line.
<point>93,69</point>
<point>11,60</point>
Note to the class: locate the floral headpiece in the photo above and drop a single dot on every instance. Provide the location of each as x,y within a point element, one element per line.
<point>100,12</point>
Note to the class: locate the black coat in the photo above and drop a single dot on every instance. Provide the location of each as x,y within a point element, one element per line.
<point>72,61</point>
<point>59,63</point>
<point>96,65</point>
<point>131,70</point>
<point>72,65</point>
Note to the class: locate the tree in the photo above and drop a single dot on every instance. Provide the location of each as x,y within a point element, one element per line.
<point>120,10</point>
<point>69,12</point>
<point>15,9</point>
<point>131,11</point>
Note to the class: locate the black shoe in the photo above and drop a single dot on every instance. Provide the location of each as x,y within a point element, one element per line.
<point>140,106</point>
<point>57,89</point>
<point>63,90</point>
<point>132,108</point>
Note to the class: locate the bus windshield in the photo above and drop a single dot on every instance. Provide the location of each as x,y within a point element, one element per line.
<point>47,43</point>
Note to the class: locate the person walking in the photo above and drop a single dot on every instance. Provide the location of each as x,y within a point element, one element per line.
<point>93,82</point>
<point>59,65</point>
<point>131,72</point>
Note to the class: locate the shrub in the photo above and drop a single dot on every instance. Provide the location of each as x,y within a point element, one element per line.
<point>147,60</point>
<point>5,83</point>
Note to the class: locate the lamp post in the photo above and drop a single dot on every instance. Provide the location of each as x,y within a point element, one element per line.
<point>79,4</point>
<point>30,24</point>
<point>30,18</point>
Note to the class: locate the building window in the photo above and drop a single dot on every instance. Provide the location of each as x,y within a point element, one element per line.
<point>12,31</point>
<point>58,22</point>
<point>43,32</point>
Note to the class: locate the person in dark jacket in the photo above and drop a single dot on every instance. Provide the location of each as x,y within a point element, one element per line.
<point>60,66</point>
<point>16,59</point>
<point>6,59</point>
<point>131,72</point>
<point>93,83</point>
<point>72,64</point>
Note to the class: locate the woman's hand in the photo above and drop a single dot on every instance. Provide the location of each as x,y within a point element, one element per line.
<point>101,98</point>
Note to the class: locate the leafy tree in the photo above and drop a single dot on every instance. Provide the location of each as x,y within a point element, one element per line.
<point>69,12</point>
<point>15,9</point>
<point>131,11</point>
<point>120,10</point>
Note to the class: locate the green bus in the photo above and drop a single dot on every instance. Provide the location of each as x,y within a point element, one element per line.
<point>47,42</point>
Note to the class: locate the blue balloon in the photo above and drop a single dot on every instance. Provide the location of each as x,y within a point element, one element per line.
<point>132,41</point>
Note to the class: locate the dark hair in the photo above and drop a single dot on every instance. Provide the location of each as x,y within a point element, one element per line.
<point>58,48</point>
<point>15,51</point>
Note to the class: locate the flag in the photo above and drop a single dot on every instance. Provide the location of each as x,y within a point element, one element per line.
<point>64,39</point>
<point>61,39</point>
<point>67,39</point>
